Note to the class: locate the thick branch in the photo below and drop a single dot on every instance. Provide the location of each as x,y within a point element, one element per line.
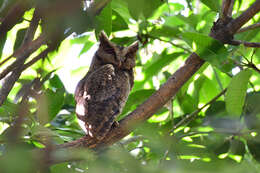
<point>237,23</point>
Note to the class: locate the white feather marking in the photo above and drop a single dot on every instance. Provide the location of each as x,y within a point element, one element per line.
<point>86,96</point>
<point>90,134</point>
<point>82,125</point>
<point>80,109</point>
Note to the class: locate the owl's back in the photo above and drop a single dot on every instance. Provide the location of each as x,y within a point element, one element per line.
<point>101,95</point>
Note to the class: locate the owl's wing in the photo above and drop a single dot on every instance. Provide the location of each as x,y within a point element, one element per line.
<point>102,96</point>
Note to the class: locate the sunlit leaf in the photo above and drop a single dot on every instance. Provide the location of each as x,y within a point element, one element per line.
<point>212,4</point>
<point>19,38</point>
<point>104,20</point>
<point>236,92</point>
<point>209,49</point>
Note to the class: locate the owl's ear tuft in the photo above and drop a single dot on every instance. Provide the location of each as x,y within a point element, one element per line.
<point>132,49</point>
<point>104,41</point>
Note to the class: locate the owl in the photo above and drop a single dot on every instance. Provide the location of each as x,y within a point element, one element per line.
<point>102,93</point>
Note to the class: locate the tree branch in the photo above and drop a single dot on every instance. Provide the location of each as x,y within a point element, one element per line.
<point>13,16</point>
<point>245,43</point>
<point>227,7</point>
<point>237,23</point>
<point>22,54</point>
<point>250,27</point>
<point>191,116</point>
<point>147,109</point>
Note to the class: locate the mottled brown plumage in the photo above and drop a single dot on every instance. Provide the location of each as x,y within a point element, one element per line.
<point>101,95</point>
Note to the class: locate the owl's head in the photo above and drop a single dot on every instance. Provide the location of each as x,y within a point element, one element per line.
<point>110,53</point>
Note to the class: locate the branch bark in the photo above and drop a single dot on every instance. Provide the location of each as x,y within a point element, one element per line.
<point>250,27</point>
<point>17,67</point>
<point>237,23</point>
<point>13,16</point>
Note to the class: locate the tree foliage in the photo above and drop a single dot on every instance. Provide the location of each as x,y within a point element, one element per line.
<point>211,124</point>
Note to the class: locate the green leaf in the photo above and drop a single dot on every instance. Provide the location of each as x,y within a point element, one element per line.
<point>80,40</point>
<point>236,92</point>
<point>167,8</point>
<point>217,108</point>
<point>124,41</point>
<point>161,61</point>
<point>187,103</point>
<point>118,23</point>
<point>86,47</point>
<point>55,102</point>
<point>164,31</point>
<point>49,105</point>
<point>254,148</point>
<point>83,40</point>
<point>174,21</point>
<point>8,109</point>
<point>56,82</point>
<point>19,38</point>
<point>121,7</point>
<point>104,20</point>
<point>143,8</point>
<point>222,148</point>
<point>252,110</point>
<point>252,102</point>
<point>237,147</point>
<point>208,49</point>
<point>212,4</point>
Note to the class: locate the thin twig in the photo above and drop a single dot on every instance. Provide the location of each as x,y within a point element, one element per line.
<point>250,27</point>
<point>245,43</point>
<point>191,116</point>
<point>173,44</point>
<point>217,78</point>
<point>42,55</point>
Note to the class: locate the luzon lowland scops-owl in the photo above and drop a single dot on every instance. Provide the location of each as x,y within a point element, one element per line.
<point>102,93</point>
